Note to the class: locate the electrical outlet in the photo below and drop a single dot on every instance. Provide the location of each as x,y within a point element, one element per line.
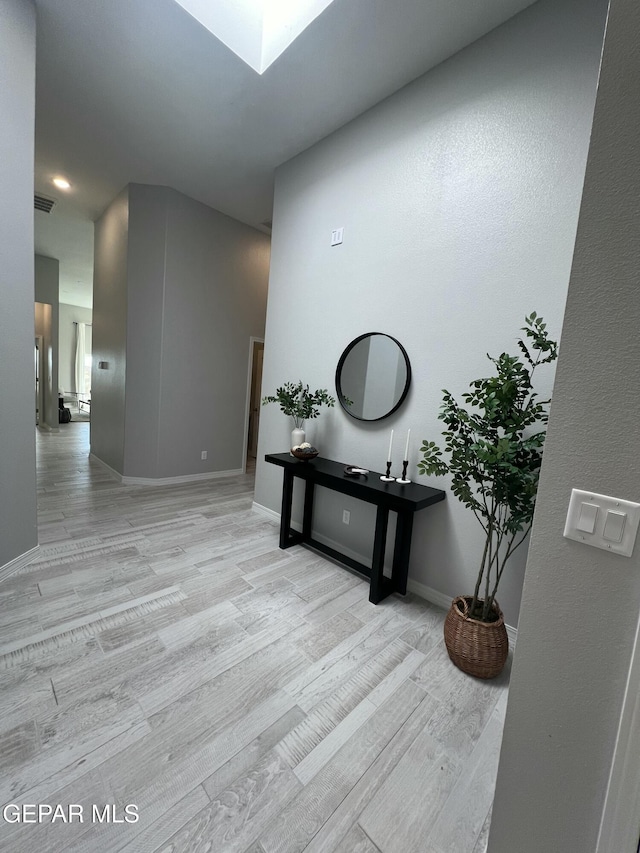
<point>346,516</point>
<point>203,455</point>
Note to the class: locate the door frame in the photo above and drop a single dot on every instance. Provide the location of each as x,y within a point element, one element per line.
<point>39,346</point>
<point>620,817</point>
<point>253,340</point>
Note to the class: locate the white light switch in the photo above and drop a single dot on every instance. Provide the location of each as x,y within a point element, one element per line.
<point>337,236</point>
<point>614,526</point>
<point>602,521</point>
<point>587,518</point>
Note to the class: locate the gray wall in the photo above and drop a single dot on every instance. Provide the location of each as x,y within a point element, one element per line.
<point>68,315</point>
<point>580,605</point>
<point>47,286</point>
<point>192,291</point>
<point>459,198</point>
<point>216,280</point>
<point>145,301</point>
<point>18,530</point>
<point>110,332</point>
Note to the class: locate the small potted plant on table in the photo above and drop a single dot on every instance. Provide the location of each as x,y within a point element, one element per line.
<point>495,453</point>
<point>297,401</point>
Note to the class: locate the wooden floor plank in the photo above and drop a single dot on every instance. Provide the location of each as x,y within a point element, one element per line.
<point>295,826</point>
<point>343,817</point>
<point>169,823</point>
<point>422,780</point>
<point>464,813</point>
<point>235,818</point>
<point>262,705</point>
<point>356,841</point>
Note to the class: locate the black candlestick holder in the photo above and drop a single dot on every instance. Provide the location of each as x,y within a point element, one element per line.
<point>388,478</point>
<point>403,479</point>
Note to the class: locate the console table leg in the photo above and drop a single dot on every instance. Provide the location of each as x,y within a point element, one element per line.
<point>285,513</point>
<point>376,590</point>
<point>401,551</point>
<point>308,509</point>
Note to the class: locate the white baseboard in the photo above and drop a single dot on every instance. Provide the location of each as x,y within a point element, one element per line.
<point>433,596</point>
<point>264,510</point>
<point>348,552</point>
<point>19,563</point>
<point>325,540</point>
<point>164,481</point>
<point>115,474</point>
<point>184,478</point>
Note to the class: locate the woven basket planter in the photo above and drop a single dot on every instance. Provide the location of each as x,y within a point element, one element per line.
<point>477,648</point>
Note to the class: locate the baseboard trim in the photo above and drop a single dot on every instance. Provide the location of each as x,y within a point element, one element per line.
<point>428,593</point>
<point>325,540</point>
<point>115,474</point>
<point>164,481</point>
<point>264,510</point>
<point>18,563</point>
<point>184,478</point>
<point>433,596</point>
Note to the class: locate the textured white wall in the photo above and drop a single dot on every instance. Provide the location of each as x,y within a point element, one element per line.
<point>459,198</point>
<point>18,525</point>
<point>580,605</point>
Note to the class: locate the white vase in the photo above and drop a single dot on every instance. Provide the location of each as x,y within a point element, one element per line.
<point>297,436</point>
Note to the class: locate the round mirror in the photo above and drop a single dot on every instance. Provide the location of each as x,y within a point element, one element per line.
<point>373,376</point>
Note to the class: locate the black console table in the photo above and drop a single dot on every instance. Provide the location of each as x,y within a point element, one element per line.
<point>405,500</point>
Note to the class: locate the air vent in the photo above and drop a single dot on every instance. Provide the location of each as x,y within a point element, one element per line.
<point>41,202</point>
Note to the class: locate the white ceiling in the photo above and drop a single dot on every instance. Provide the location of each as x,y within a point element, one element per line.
<point>139,91</point>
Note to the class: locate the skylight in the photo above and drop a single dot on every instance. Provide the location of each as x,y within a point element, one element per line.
<point>257,31</point>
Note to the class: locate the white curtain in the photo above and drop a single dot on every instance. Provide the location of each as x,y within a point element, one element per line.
<point>81,344</point>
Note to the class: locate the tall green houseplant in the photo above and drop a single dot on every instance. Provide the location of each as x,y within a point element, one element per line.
<point>494,446</point>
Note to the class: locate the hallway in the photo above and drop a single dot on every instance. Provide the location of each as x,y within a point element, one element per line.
<point>163,654</point>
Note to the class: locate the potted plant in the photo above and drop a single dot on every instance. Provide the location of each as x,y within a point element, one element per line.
<point>494,447</point>
<point>297,401</point>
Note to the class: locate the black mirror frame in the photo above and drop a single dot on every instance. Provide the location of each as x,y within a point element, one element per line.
<point>343,357</point>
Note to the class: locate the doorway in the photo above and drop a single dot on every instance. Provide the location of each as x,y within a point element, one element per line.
<point>254,386</point>
<point>38,377</point>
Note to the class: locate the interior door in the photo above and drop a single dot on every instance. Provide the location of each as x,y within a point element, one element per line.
<point>254,413</point>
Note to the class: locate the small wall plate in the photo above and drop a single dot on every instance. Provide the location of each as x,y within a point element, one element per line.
<point>602,521</point>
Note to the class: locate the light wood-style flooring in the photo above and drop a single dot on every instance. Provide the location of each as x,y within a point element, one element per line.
<point>163,653</point>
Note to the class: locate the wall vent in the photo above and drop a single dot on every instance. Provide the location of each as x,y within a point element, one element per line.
<point>41,202</point>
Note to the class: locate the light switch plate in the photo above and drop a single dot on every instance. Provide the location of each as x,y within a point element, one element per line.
<point>337,236</point>
<point>605,505</point>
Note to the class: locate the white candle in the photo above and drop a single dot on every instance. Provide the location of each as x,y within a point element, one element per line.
<point>406,447</point>
<point>390,445</point>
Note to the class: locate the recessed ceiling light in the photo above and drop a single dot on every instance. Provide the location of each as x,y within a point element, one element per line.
<point>62,183</point>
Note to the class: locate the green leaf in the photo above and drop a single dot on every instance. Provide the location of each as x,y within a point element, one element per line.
<point>494,442</point>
